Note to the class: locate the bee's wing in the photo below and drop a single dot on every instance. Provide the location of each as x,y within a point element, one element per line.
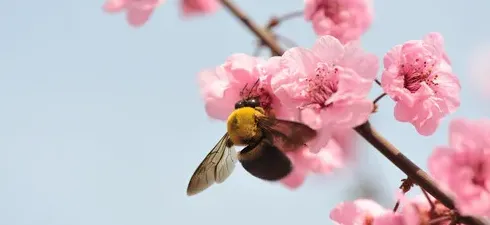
<point>286,135</point>
<point>263,160</point>
<point>216,167</point>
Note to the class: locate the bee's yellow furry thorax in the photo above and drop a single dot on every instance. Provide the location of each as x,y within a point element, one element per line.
<point>242,126</point>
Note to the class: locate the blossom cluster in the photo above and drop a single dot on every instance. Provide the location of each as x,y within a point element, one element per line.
<point>462,168</point>
<point>326,87</point>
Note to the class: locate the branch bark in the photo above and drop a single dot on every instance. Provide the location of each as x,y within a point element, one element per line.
<point>365,130</point>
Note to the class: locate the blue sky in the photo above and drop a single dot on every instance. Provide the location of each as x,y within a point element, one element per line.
<point>102,123</point>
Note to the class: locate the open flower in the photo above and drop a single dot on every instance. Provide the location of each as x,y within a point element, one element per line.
<point>138,11</point>
<point>329,84</point>
<point>196,7</point>
<point>346,20</point>
<point>418,76</point>
<point>463,167</point>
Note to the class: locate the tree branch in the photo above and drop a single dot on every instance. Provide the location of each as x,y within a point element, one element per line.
<point>266,37</point>
<point>366,131</point>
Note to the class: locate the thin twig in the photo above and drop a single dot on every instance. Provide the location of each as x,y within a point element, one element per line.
<point>379,98</point>
<point>397,204</point>
<point>432,206</point>
<point>366,131</point>
<point>276,20</point>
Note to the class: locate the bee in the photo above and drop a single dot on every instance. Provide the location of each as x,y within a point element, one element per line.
<point>266,140</point>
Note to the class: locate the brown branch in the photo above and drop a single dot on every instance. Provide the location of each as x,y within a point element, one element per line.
<point>261,33</point>
<point>416,174</point>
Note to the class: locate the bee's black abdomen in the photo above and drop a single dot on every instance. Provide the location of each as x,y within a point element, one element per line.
<point>263,160</point>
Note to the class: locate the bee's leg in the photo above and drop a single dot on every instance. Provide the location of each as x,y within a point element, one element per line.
<point>260,109</point>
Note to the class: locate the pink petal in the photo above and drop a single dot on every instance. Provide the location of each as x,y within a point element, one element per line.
<point>328,49</point>
<point>439,163</point>
<point>137,17</point>
<point>403,113</point>
<point>310,9</point>
<point>437,41</point>
<point>365,64</point>
<point>392,57</point>
<point>300,60</point>
<point>349,114</point>
<point>347,213</point>
<point>389,219</point>
<point>242,68</point>
<point>312,118</point>
<point>113,6</point>
<point>220,108</point>
<point>295,179</point>
<point>196,7</point>
<point>322,139</point>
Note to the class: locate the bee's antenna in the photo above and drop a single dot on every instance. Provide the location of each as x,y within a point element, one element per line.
<point>253,86</point>
<point>243,89</point>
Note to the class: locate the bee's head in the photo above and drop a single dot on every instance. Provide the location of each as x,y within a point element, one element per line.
<point>250,102</point>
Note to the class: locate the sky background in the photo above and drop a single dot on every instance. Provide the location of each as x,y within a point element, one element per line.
<point>102,123</point>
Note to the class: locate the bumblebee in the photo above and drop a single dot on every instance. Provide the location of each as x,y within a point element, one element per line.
<point>266,139</point>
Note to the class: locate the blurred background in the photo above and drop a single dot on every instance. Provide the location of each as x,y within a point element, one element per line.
<point>102,124</point>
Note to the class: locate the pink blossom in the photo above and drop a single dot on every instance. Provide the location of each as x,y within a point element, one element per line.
<point>195,7</point>
<point>418,76</point>
<point>138,11</point>
<point>361,212</point>
<point>329,84</point>
<point>463,167</point>
<point>328,158</point>
<point>346,20</point>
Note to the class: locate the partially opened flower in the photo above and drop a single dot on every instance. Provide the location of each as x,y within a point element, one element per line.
<point>197,7</point>
<point>329,84</point>
<point>346,20</point>
<point>362,212</point>
<point>463,167</point>
<point>418,76</point>
<point>138,11</point>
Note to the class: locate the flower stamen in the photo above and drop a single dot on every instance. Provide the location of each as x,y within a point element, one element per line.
<point>414,74</point>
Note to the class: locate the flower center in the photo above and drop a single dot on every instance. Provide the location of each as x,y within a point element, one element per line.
<point>322,85</point>
<point>254,91</point>
<point>417,72</point>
